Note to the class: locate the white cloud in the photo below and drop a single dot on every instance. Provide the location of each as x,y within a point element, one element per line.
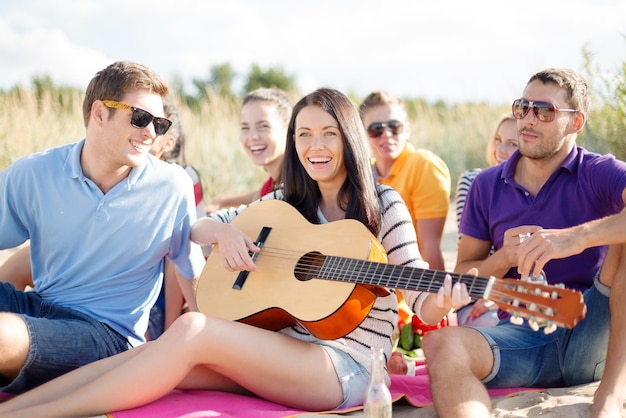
<point>451,49</point>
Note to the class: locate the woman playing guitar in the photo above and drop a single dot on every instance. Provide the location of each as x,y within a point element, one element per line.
<point>327,177</point>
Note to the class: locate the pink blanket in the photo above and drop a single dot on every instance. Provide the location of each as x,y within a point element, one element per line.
<point>198,403</point>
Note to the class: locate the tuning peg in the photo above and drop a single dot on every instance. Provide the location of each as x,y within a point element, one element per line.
<point>533,324</point>
<point>516,320</point>
<point>549,328</point>
<point>540,278</point>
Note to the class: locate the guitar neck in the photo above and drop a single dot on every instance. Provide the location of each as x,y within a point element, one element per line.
<point>271,298</point>
<point>400,277</point>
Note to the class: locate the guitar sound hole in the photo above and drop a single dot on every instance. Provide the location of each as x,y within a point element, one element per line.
<point>309,266</point>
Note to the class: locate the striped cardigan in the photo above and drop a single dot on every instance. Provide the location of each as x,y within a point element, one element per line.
<point>398,238</point>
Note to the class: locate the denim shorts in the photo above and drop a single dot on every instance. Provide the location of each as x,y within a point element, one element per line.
<point>156,323</point>
<point>61,339</point>
<point>353,376</point>
<point>567,357</point>
<point>488,319</point>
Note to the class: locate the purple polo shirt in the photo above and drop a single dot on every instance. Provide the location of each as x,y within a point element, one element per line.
<point>587,186</point>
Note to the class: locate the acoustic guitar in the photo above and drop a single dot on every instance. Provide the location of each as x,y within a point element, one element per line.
<point>326,277</point>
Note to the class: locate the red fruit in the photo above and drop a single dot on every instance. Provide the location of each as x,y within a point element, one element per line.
<point>396,364</point>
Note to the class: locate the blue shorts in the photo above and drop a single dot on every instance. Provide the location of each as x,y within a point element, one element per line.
<point>156,323</point>
<point>61,339</point>
<point>488,319</point>
<point>567,357</point>
<point>353,376</point>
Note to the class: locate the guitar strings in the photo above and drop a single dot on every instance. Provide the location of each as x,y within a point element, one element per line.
<point>394,276</point>
<point>345,267</point>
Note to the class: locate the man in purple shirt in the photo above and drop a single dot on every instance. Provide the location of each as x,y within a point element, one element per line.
<point>552,207</point>
<point>585,186</point>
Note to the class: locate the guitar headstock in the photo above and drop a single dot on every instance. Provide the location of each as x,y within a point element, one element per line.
<point>539,302</point>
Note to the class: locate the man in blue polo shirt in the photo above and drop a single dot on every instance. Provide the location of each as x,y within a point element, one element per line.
<point>101,214</point>
<point>553,208</point>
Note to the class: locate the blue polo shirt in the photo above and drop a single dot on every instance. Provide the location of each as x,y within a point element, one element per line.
<point>100,254</point>
<point>587,186</point>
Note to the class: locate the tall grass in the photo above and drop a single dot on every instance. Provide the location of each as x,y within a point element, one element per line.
<point>458,134</point>
<point>31,122</point>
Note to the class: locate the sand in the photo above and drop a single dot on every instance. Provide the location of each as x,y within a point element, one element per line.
<point>574,402</point>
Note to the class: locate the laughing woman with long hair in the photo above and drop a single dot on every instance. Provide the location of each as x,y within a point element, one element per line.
<point>327,177</point>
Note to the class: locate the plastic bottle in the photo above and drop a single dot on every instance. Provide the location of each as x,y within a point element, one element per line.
<point>377,402</point>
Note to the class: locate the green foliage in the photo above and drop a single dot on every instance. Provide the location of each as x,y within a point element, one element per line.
<point>45,88</point>
<point>605,130</point>
<point>272,77</point>
<point>222,77</point>
<point>219,83</point>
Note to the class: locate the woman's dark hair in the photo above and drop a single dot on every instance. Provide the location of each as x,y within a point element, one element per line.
<point>358,196</point>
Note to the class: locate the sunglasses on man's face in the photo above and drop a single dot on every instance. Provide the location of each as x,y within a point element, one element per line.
<point>141,118</point>
<point>544,111</point>
<point>377,129</point>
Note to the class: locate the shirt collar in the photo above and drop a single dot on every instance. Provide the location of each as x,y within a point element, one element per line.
<point>569,163</point>
<point>75,170</point>
<point>397,163</point>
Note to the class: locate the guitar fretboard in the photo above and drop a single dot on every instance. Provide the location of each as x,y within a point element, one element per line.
<point>394,276</point>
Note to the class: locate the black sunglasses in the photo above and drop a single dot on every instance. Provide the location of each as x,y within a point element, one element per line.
<point>141,118</point>
<point>376,129</point>
<point>544,111</point>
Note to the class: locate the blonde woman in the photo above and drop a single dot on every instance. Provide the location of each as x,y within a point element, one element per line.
<point>502,144</point>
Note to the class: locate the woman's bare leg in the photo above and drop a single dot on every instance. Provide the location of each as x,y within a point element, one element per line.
<point>197,352</point>
<point>67,383</point>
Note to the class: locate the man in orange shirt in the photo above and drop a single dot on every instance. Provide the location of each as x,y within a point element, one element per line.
<point>421,177</point>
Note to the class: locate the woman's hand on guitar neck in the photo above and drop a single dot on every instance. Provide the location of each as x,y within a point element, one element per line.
<point>457,296</point>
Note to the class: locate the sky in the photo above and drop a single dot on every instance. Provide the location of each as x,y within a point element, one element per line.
<point>450,50</point>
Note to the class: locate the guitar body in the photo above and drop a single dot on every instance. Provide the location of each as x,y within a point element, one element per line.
<point>273,297</point>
